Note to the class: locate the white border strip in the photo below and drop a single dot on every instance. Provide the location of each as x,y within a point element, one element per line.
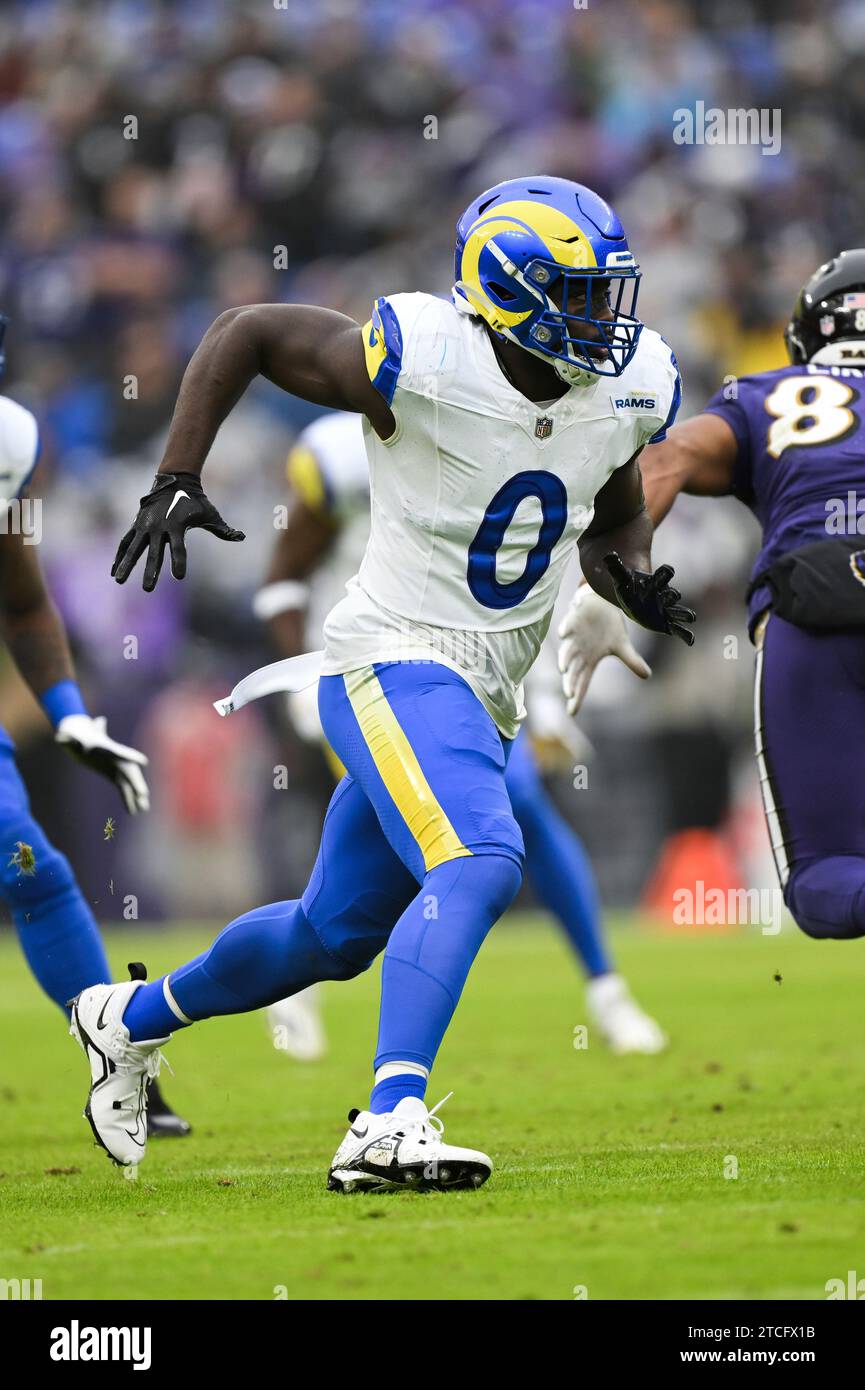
<point>173,1004</point>
<point>773,820</point>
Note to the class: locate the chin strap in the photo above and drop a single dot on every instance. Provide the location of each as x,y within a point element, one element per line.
<point>570,373</point>
<point>574,375</point>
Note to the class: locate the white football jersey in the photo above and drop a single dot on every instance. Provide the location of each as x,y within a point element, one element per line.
<point>19,449</point>
<point>478,498</point>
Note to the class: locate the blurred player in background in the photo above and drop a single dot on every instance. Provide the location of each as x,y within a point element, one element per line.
<point>54,923</point>
<point>117,253</point>
<point>502,428</point>
<point>790,444</point>
<point>320,549</point>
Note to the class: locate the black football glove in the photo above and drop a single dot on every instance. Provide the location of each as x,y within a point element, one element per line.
<point>649,600</point>
<point>176,503</point>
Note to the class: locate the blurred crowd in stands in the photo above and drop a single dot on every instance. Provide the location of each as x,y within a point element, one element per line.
<point>160,162</point>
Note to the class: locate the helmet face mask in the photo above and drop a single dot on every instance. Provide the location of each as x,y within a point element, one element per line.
<point>546,264</point>
<point>571,329</point>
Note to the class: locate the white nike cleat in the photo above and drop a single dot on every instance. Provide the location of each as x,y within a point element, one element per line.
<point>403,1149</point>
<point>296,1027</point>
<point>119,1069</point>
<point>623,1025</point>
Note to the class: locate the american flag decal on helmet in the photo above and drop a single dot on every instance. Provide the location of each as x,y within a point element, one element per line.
<point>543,427</point>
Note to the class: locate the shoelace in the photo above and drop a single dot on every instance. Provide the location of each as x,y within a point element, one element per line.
<point>134,1102</point>
<point>432,1121</point>
<point>150,1062</point>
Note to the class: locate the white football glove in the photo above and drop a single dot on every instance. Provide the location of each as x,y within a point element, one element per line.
<point>302,708</point>
<point>88,741</point>
<point>557,742</point>
<point>590,630</point>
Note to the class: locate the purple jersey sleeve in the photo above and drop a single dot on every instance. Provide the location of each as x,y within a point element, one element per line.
<point>727,403</point>
<point>800,436</point>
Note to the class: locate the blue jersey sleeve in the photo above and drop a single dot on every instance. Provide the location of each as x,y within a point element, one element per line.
<point>383,347</point>
<point>675,400</point>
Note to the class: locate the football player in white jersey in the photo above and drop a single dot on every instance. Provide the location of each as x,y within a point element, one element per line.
<point>53,920</point>
<point>502,429</point>
<point>320,548</point>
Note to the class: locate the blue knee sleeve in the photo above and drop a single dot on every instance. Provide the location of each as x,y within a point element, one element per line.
<point>557,864</point>
<point>55,926</point>
<point>827,897</point>
<point>357,891</point>
<point>431,951</point>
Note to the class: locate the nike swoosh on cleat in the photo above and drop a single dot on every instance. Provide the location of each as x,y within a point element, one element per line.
<point>140,1124</point>
<point>360,1133</point>
<point>99,1023</point>
<point>174,501</point>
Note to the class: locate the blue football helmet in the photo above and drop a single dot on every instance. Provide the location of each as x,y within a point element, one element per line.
<point>536,258</point>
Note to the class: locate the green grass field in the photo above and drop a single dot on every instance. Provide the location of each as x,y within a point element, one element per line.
<point>610,1172</point>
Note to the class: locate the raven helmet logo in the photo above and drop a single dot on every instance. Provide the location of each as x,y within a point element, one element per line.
<point>543,427</point>
<point>857,566</point>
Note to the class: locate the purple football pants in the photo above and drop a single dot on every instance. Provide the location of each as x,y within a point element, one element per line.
<point>809,717</point>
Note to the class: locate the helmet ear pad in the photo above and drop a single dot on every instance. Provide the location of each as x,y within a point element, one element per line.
<point>795,348</point>
<point>501,257</point>
<point>503,288</point>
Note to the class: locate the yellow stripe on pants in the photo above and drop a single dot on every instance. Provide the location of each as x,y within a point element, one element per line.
<point>400,770</point>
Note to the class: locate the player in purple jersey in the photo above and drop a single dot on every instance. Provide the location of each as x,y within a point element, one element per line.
<point>790,444</point>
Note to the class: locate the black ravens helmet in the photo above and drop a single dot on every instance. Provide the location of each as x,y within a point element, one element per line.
<point>830,310</point>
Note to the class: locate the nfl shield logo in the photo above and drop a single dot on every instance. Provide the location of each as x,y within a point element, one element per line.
<point>543,427</point>
<point>827,325</point>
